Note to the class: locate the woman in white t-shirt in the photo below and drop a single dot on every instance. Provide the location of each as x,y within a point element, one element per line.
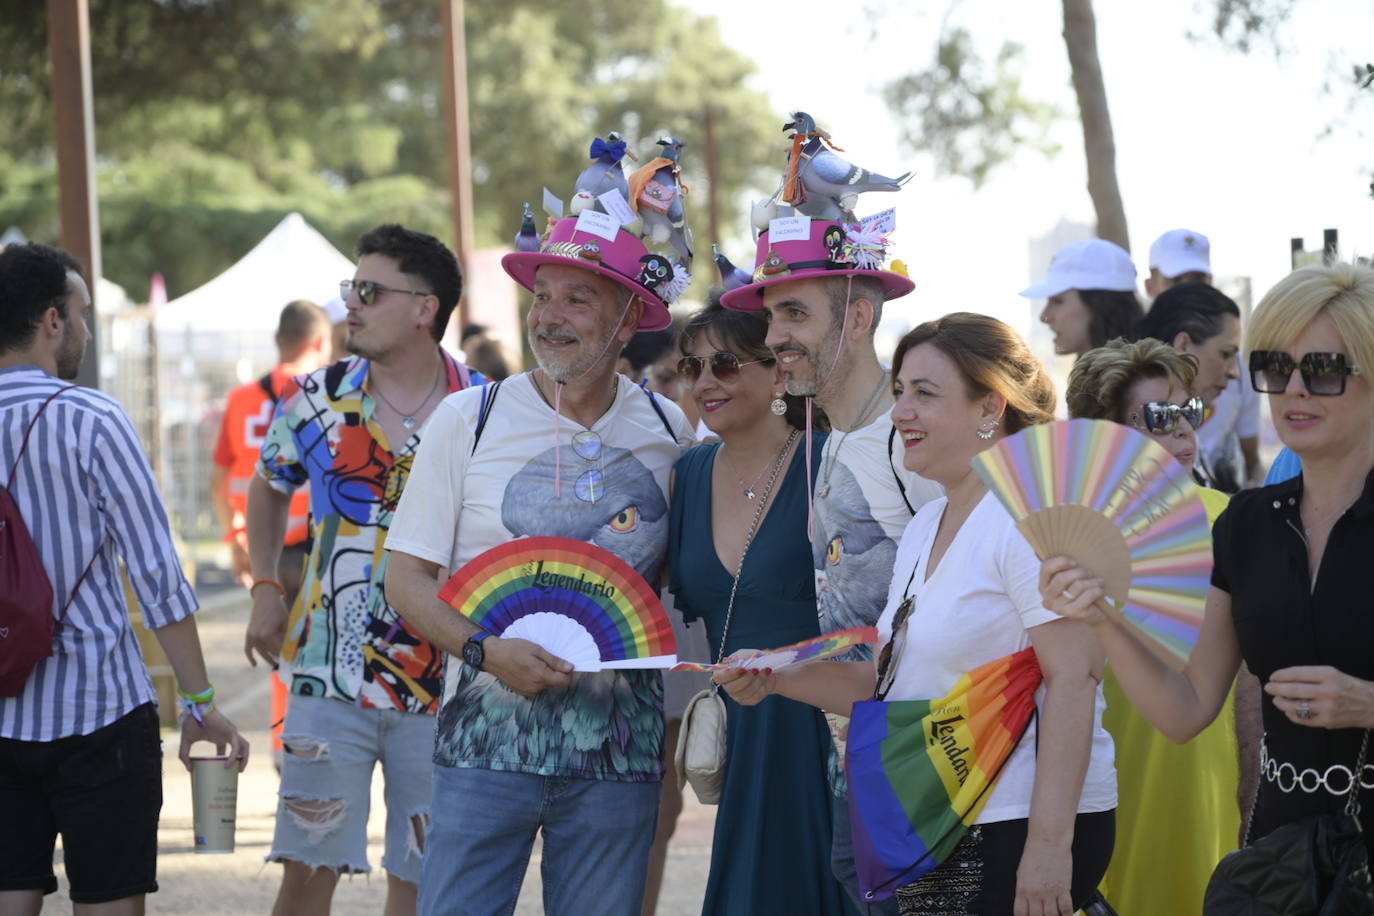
<point>1044,838</point>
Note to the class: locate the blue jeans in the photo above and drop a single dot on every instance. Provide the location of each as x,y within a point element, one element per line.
<point>597,835</point>
<point>843,867</point>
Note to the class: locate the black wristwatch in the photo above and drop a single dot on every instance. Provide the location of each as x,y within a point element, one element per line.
<point>473,653</point>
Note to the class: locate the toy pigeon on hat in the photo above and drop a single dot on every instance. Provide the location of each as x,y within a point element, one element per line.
<point>823,239</point>
<point>598,239</point>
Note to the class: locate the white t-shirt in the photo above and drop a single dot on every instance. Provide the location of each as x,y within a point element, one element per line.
<point>459,503</point>
<point>860,515</point>
<point>1235,416</point>
<point>978,607</point>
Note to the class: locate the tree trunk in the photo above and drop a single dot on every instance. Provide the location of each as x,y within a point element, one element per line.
<point>1080,36</point>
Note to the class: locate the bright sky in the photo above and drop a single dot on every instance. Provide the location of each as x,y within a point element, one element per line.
<point>1206,139</point>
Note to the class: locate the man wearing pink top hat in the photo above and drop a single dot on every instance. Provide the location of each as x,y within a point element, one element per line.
<point>569,449</point>
<point>822,284</point>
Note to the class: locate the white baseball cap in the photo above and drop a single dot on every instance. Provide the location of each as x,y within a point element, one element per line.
<point>1091,264</point>
<point>1181,251</point>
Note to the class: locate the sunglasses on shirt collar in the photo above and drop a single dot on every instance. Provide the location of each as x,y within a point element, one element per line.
<point>1323,374</point>
<point>1160,417</point>
<point>724,366</point>
<point>368,291</point>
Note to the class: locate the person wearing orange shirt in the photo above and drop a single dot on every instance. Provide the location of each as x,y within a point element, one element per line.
<point>303,345</point>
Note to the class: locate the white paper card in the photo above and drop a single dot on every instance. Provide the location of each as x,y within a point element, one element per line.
<point>616,205</point>
<point>598,223</point>
<point>552,205</point>
<point>885,222</point>
<point>789,229</point>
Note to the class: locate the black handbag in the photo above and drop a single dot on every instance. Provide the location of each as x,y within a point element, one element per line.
<point>1317,866</point>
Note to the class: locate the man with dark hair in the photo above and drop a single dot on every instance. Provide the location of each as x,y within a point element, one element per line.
<point>823,307</point>
<point>304,342</point>
<point>80,753</point>
<point>365,684</point>
<point>425,258</point>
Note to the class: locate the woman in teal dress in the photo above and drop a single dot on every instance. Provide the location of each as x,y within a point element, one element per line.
<point>771,852</point>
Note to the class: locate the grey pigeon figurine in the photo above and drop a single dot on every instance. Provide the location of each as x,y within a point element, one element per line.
<point>656,193</point>
<point>527,239</point>
<point>606,173</point>
<point>731,277</point>
<point>821,183</point>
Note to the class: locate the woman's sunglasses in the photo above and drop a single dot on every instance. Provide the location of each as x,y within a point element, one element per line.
<point>1323,374</point>
<point>724,366</point>
<point>1160,417</point>
<point>368,291</point>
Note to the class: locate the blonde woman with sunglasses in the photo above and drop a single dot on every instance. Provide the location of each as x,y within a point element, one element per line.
<point>1290,589</point>
<point>1177,813</point>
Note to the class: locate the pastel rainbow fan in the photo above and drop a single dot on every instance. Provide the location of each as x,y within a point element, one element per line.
<point>1118,503</point>
<point>814,649</point>
<point>578,601</point>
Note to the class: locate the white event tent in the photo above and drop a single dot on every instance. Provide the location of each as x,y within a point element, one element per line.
<point>232,318</point>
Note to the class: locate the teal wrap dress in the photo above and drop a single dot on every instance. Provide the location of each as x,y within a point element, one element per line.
<point>771,851</point>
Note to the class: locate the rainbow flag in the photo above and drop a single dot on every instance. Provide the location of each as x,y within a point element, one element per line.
<point>920,771</point>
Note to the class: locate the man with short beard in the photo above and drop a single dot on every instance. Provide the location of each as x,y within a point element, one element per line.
<point>364,682</point>
<point>823,308</point>
<point>80,752</point>
<point>573,450</point>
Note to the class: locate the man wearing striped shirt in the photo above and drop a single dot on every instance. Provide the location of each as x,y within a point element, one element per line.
<point>80,752</point>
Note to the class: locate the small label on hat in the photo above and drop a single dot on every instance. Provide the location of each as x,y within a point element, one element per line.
<point>789,229</point>
<point>884,222</point>
<point>616,206</point>
<point>552,205</point>
<point>598,223</point>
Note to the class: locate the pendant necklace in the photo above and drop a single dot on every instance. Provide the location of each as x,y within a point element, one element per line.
<point>749,492</point>
<point>823,488</point>
<point>408,418</point>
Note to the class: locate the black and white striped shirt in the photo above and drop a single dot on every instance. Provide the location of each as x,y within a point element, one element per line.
<point>85,490</point>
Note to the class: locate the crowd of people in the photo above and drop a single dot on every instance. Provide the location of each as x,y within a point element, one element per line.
<point>781,479</point>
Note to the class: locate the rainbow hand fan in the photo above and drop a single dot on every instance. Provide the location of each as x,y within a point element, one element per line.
<point>576,600</point>
<point>798,653</point>
<point>1118,503</point>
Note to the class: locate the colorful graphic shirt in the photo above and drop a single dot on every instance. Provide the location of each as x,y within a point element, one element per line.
<point>247,416</point>
<point>343,640</point>
<point>861,512</point>
<point>463,501</point>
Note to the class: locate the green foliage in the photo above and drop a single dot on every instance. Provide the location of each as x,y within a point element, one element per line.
<point>970,116</point>
<point>216,117</point>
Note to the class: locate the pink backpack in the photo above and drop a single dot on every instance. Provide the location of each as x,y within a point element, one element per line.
<point>26,619</point>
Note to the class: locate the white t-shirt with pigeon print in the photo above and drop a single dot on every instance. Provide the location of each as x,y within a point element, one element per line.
<point>860,517</point>
<point>860,514</point>
<point>459,503</point>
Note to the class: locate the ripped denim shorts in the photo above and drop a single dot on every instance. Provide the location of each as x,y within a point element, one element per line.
<point>331,749</point>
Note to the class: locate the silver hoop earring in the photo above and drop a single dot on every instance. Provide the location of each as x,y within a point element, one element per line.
<point>778,406</point>
<point>985,432</point>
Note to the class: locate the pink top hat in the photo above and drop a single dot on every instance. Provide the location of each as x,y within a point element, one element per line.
<point>830,250</point>
<point>651,277</point>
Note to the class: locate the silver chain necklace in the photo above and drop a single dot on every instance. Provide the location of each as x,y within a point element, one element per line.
<point>408,416</point>
<point>823,488</point>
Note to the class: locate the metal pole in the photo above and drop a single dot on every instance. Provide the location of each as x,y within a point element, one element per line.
<point>1294,250</point>
<point>459,140</point>
<point>69,43</point>
<point>1330,246</point>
